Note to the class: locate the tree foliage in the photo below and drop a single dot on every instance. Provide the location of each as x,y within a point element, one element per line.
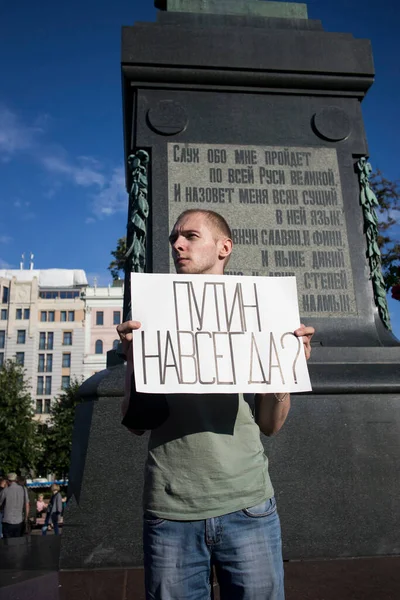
<point>117,265</point>
<point>58,436</point>
<point>19,436</point>
<point>388,196</point>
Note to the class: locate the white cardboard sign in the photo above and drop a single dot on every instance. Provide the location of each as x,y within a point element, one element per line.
<point>217,334</point>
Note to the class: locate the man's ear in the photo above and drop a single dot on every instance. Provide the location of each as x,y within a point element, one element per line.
<point>226,248</point>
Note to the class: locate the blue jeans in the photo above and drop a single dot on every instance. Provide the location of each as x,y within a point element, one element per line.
<point>54,520</point>
<point>244,547</point>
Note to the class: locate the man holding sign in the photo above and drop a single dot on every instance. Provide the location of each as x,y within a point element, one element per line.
<point>208,498</point>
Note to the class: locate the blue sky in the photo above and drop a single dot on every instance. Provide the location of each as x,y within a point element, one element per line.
<point>62,192</point>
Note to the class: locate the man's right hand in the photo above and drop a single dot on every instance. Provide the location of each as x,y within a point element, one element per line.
<point>124,331</point>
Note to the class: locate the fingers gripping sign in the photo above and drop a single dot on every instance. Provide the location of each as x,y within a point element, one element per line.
<point>124,331</point>
<point>306,333</point>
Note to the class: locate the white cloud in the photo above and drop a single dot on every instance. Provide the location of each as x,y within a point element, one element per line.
<point>113,197</point>
<point>5,265</point>
<point>23,211</point>
<point>106,186</point>
<point>19,203</point>
<point>5,239</point>
<point>15,136</point>
<point>90,160</point>
<point>82,174</point>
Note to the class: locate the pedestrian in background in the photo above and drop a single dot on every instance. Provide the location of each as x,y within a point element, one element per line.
<point>29,518</point>
<point>3,484</point>
<point>15,505</point>
<point>41,505</point>
<point>54,510</point>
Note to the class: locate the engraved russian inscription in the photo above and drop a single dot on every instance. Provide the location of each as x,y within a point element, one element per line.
<point>285,208</point>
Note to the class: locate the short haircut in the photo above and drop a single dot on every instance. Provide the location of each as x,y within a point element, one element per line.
<point>213,217</point>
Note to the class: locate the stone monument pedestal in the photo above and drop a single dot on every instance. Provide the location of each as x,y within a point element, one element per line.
<point>101,548</point>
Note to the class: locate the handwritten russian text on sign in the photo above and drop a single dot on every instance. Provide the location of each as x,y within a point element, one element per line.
<point>217,334</point>
<point>285,208</point>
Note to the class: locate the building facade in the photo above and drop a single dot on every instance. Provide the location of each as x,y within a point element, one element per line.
<point>57,327</point>
<point>42,327</point>
<point>103,312</point>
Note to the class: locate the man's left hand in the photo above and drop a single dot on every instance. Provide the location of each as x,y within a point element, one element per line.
<point>306,333</point>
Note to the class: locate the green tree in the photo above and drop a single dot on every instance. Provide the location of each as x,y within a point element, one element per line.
<point>58,436</point>
<point>117,265</point>
<point>388,196</point>
<point>19,436</point>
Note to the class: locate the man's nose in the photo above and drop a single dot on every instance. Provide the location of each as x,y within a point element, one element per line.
<point>178,243</point>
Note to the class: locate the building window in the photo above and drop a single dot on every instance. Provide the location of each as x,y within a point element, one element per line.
<point>20,358</point>
<point>117,317</point>
<point>21,336</point>
<point>46,340</point>
<point>40,385</point>
<point>65,381</point>
<point>5,295</point>
<point>42,340</point>
<point>99,317</point>
<point>2,338</point>
<point>115,344</point>
<point>48,385</point>
<point>1,359</point>
<point>3,314</point>
<point>63,316</point>
<point>51,295</point>
<point>71,315</point>
<point>18,313</point>
<point>47,315</point>
<point>39,407</point>
<point>67,338</point>
<point>45,363</point>
<point>47,404</point>
<point>98,347</point>
<point>40,363</point>
<point>66,361</point>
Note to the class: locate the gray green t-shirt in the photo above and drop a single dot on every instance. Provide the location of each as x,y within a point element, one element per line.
<point>206,459</point>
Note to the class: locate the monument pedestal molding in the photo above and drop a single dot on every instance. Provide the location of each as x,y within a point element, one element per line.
<point>259,118</point>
